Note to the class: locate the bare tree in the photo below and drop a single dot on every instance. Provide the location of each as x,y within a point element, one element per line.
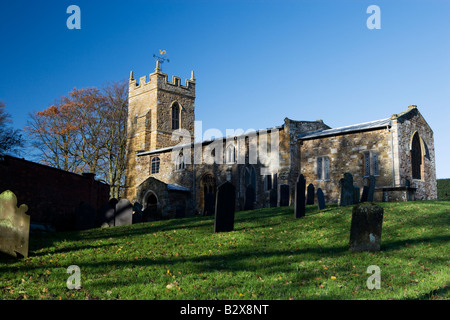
<point>10,139</point>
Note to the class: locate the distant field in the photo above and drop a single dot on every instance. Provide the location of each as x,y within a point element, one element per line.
<point>443,187</point>
<point>270,255</point>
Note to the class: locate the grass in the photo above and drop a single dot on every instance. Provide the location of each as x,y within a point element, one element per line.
<point>270,255</point>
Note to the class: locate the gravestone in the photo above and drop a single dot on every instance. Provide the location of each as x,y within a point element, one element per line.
<point>273,197</point>
<point>299,209</point>
<point>250,197</point>
<point>283,195</point>
<point>310,194</point>
<point>14,226</point>
<point>356,193</point>
<point>371,191</point>
<point>225,205</point>
<point>137,215</point>
<point>365,194</point>
<point>320,199</point>
<point>124,213</point>
<point>346,185</point>
<point>85,216</point>
<point>366,225</point>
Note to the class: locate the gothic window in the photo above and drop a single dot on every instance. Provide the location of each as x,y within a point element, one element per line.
<point>180,163</point>
<point>323,168</point>
<point>230,154</point>
<point>371,164</point>
<point>175,116</point>
<point>155,164</point>
<point>268,182</point>
<point>250,176</point>
<point>416,157</point>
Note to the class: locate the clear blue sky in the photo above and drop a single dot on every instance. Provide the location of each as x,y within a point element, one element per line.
<point>256,62</point>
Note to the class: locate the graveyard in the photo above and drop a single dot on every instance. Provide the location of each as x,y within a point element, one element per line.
<point>267,254</point>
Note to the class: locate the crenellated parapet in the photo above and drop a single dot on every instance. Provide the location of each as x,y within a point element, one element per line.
<point>159,80</point>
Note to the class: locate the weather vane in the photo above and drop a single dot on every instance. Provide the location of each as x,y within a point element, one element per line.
<point>162,57</point>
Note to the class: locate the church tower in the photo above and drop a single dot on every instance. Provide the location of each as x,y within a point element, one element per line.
<point>155,109</point>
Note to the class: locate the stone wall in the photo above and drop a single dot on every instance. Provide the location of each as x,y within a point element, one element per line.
<point>408,124</point>
<point>346,154</point>
<point>52,195</point>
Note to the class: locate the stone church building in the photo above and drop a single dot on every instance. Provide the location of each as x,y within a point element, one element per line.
<point>176,177</point>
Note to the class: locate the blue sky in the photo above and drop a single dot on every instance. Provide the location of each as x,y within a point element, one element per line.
<point>256,62</point>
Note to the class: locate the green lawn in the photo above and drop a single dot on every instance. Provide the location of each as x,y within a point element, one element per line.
<point>443,189</point>
<point>270,255</point>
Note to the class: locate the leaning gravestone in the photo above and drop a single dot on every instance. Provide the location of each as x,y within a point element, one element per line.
<point>14,226</point>
<point>365,194</point>
<point>371,191</point>
<point>250,197</point>
<point>225,205</point>
<point>320,199</point>
<point>273,197</point>
<point>310,194</point>
<point>124,213</point>
<point>365,230</point>
<point>283,195</point>
<point>299,209</point>
<point>346,185</point>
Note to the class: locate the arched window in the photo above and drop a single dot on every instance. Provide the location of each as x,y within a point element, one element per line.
<point>230,154</point>
<point>180,163</point>
<point>176,116</point>
<point>416,157</point>
<point>155,165</point>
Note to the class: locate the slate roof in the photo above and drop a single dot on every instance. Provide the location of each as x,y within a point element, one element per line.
<point>347,129</point>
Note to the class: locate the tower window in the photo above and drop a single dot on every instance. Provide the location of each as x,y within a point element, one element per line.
<point>180,163</point>
<point>416,157</point>
<point>230,154</point>
<point>175,116</point>
<point>155,164</point>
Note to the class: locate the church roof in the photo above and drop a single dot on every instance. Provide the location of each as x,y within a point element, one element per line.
<point>347,129</point>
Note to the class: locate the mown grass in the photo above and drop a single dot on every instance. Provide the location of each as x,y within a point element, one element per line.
<point>269,255</point>
<point>443,189</point>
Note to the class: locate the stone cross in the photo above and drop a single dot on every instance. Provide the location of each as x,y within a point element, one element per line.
<point>225,206</point>
<point>299,210</point>
<point>14,226</point>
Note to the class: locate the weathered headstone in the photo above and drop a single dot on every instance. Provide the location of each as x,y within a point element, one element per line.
<point>14,226</point>
<point>300,186</point>
<point>366,225</point>
<point>310,194</point>
<point>283,195</point>
<point>85,216</point>
<point>356,194</point>
<point>365,194</point>
<point>250,197</point>
<point>346,185</point>
<point>273,197</point>
<point>225,206</point>
<point>371,191</point>
<point>124,213</point>
<point>320,199</point>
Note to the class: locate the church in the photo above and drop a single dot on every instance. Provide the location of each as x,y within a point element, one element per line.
<point>169,175</point>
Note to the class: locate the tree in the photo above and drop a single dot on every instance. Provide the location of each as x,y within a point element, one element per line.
<point>85,131</point>
<point>10,139</point>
